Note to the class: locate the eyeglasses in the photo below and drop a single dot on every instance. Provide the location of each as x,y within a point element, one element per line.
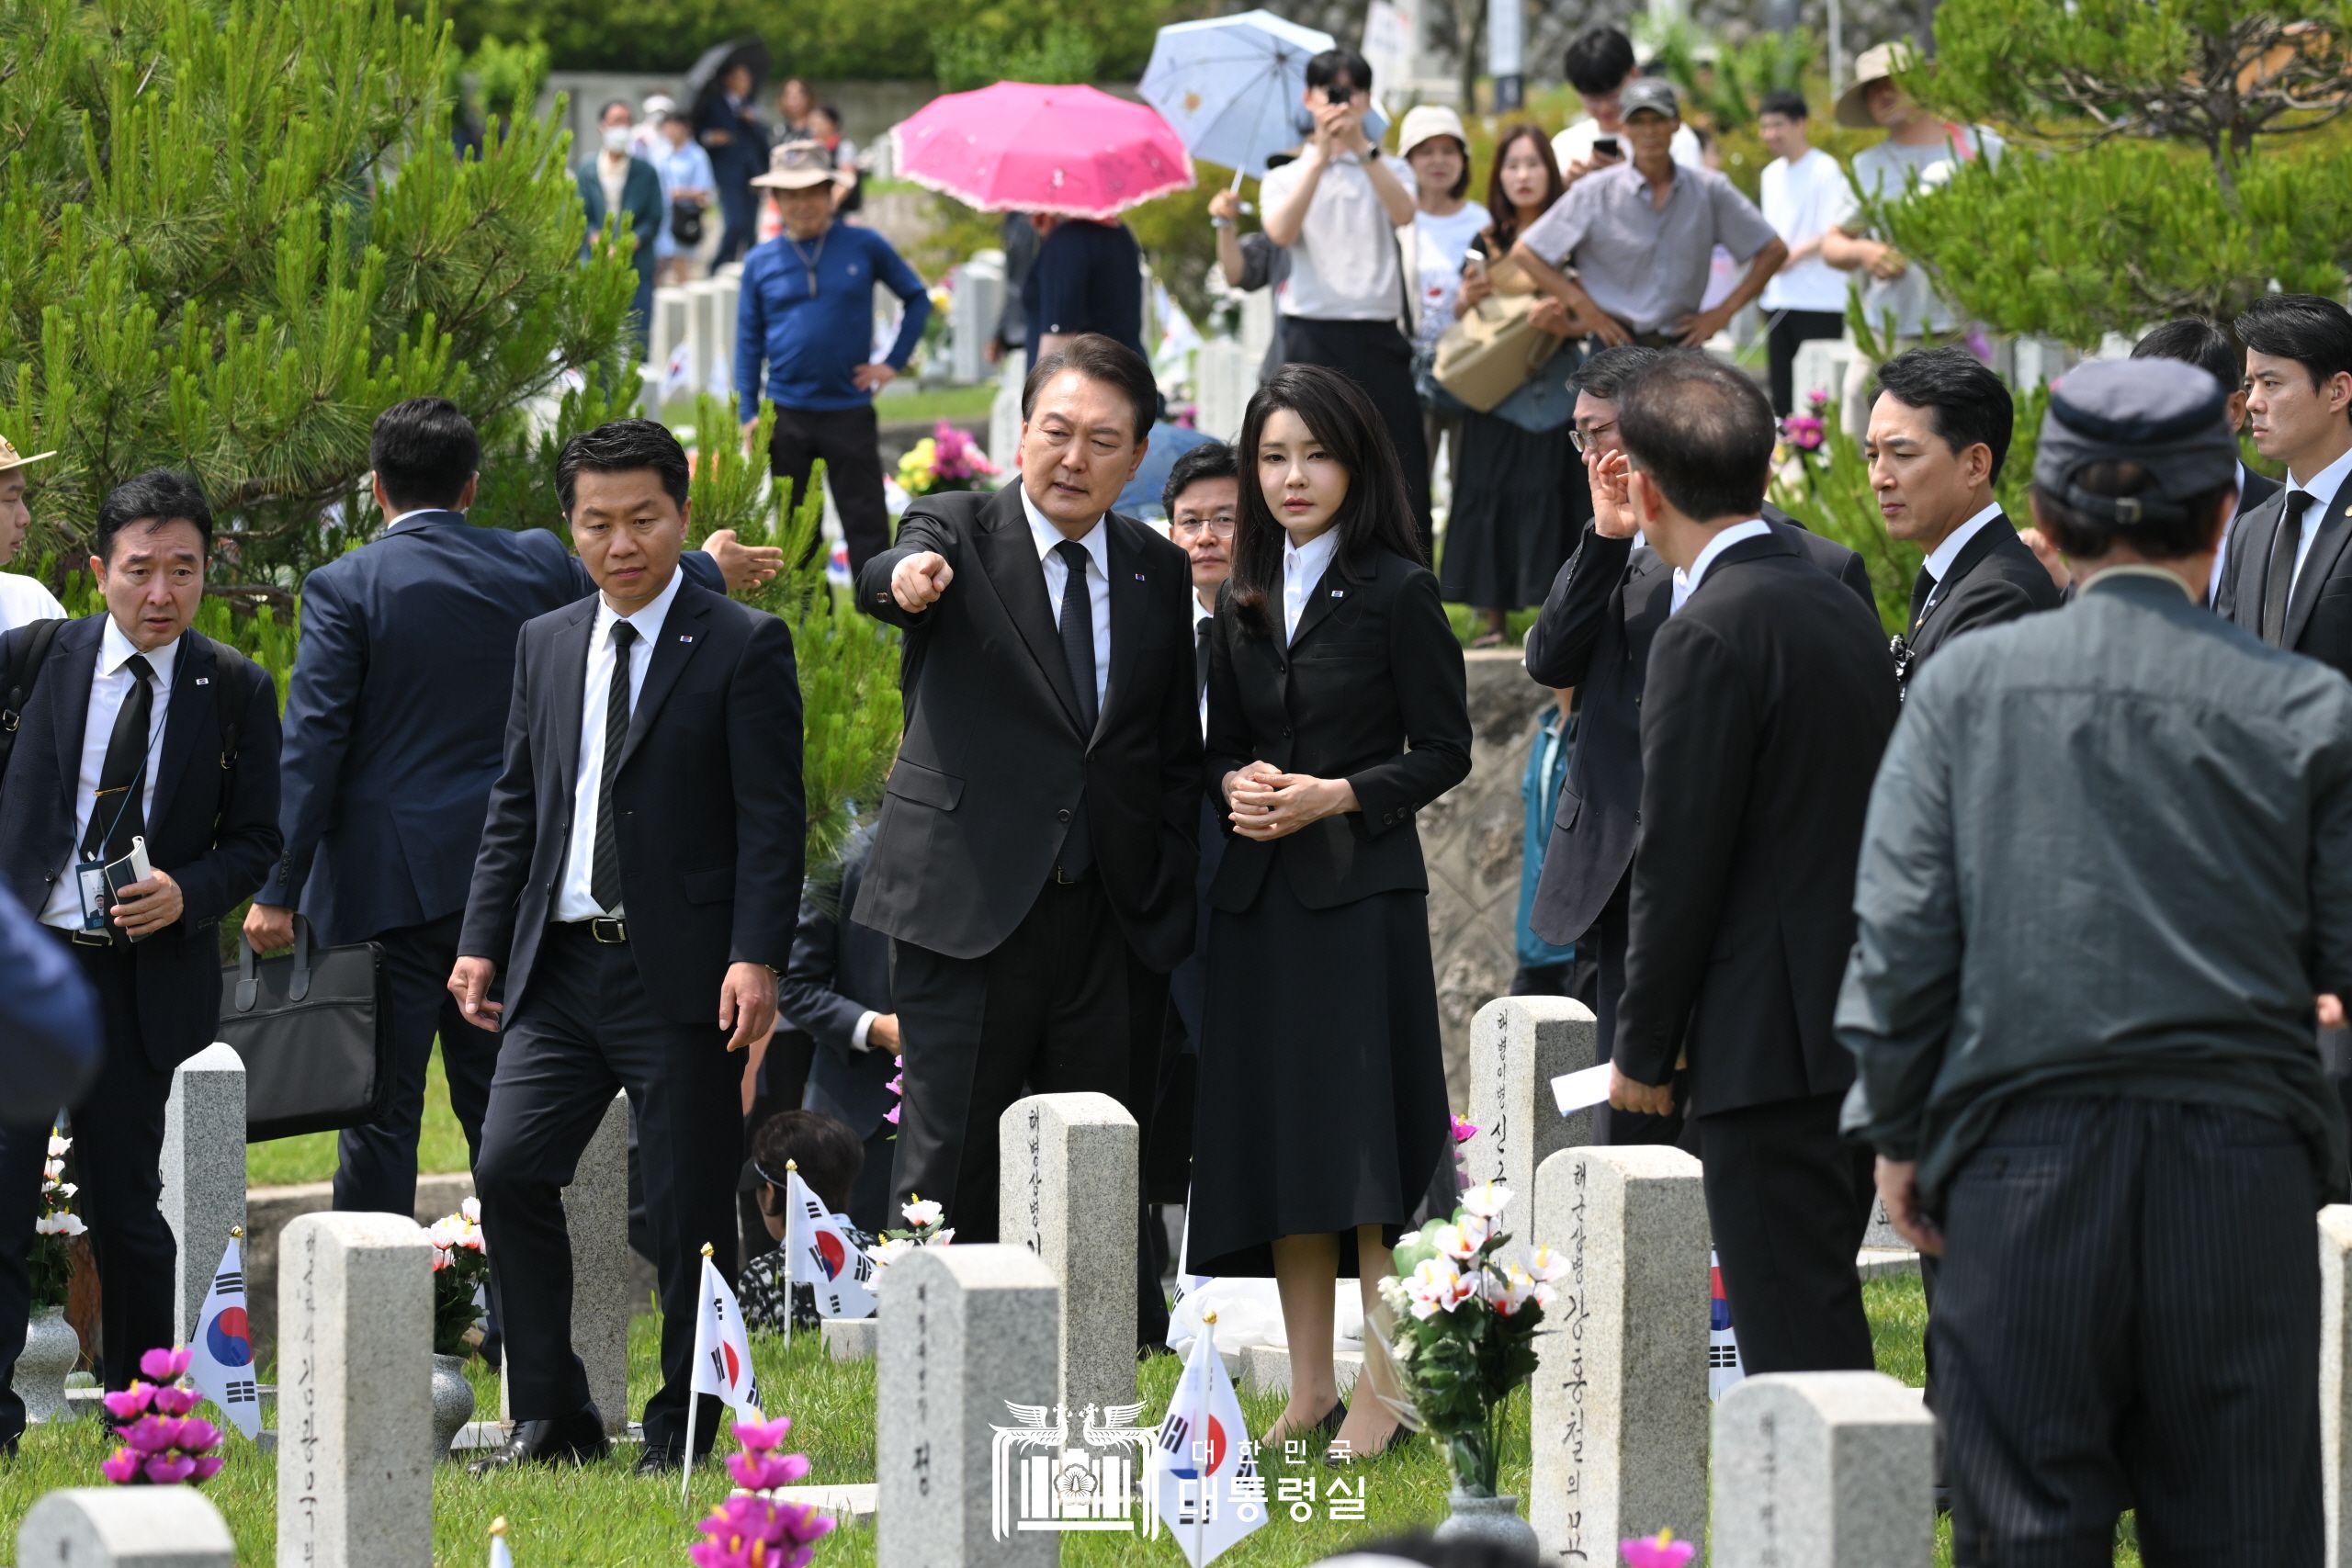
<point>1586,440</point>
<point>1219,526</point>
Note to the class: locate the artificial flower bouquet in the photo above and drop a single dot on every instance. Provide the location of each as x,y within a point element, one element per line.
<point>163,1444</point>
<point>460,1267</point>
<point>943,460</point>
<point>54,1229</point>
<point>925,1227</point>
<point>1467,1305</point>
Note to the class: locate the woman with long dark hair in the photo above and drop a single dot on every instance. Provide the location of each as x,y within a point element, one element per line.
<point>1336,712</point>
<point>1518,497</point>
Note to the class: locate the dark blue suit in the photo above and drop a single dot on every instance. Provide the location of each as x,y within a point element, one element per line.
<point>840,971</point>
<point>212,827</point>
<point>49,1018</point>
<point>395,718</point>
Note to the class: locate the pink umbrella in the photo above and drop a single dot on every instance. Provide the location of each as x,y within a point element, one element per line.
<point>1023,148</point>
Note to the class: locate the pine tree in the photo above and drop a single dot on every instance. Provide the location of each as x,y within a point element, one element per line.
<point>2167,156</point>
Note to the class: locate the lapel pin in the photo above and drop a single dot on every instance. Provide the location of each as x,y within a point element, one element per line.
<point>685,636</point>
<point>1141,578</point>
<point>204,680</point>
<point>1339,593</point>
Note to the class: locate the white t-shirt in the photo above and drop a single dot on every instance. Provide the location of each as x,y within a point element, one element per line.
<point>1802,200</point>
<point>1345,266</point>
<point>24,601</point>
<point>1439,245</point>
<point>1575,142</point>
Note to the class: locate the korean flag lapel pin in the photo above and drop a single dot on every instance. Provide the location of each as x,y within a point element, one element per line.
<point>685,636</point>
<point>1339,593</point>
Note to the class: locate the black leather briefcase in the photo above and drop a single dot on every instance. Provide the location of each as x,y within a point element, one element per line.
<point>313,1027</point>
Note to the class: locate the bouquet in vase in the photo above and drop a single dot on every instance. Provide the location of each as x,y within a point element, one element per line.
<point>946,459</point>
<point>925,1227</point>
<point>461,1268</point>
<point>54,1229</point>
<point>1467,1305</point>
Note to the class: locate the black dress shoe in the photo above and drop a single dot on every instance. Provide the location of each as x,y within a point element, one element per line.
<point>570,1439</point>
<point>660,1462</point>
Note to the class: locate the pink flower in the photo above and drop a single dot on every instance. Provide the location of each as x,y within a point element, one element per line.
<point>1661,1550</point>
<point>176,1400</point>
<point>762,1434</point>
<point>125,1404</point>
<point>196,1434</point>
<point>891,1116</point>
<point>1464,1129</point>
<point>208,1465</point>
<point>165,1366</point>
<point>763,1472</point>
<point>169,1470</point>
<point>121,1466</point>
<point>897,1085</point>
<point>152,1434</point>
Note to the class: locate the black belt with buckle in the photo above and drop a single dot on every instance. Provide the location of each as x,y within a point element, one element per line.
<point>609,931</point>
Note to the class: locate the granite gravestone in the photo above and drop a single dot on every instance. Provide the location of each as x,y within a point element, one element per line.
<point>1823,1470</point>
<point>2335,1375</point>
<point>1067,1192</point>
<point>203,1171</point>
<point>355,1401</point>
<point>1619,1409</point>
<point>125,1527</point>
<point>971,1333</point>
<point>1518,1045</point>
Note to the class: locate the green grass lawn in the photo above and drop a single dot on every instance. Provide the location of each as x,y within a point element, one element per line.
<point>607,1517</point>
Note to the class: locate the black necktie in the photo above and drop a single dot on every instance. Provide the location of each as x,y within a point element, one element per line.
<point>1923,595</point>
<point>604,870</point>
<point>1201,656</point>
<point>115,815</point>
<point>1078,630</point>
<point>2279,586</point>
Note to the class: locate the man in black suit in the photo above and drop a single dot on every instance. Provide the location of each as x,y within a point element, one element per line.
<point>1767,702</point>
<point>1033,859</point>
<point>1594,634</point>
<point>393,718</point>
<point>637,883</point>
<point>1938,436</point>
<point>2287,575</point>
<point>837,990</point>
<point>138,731</point>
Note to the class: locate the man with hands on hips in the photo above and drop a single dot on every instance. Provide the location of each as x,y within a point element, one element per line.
<point>638,879</point>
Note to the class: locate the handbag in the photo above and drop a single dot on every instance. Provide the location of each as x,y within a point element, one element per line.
<point>1495,347</point>
<point>314,1029</point>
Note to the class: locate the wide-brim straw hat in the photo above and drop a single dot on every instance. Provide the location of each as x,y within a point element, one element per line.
<point>10,459</point>
<point>799,164</point>
<point>1871,65</point>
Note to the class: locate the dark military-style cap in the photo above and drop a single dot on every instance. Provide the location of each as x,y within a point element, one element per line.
<point>2167,416</point>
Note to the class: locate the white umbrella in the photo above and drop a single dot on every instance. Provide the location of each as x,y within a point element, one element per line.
<point>1232,87</point>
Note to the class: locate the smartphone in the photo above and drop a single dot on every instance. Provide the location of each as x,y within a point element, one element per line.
<point>1606,147</point>
<point>1338,93</point>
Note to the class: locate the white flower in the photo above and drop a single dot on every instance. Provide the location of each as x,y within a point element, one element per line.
<point>1460,1243</point>
<point>940,1239</point>
<point>57,1146</point>
<point>439,1234</point>
<point>1511,1289</point>
<point>923,1213</point>
<point>1546,1263</point>
<point>1438,1286</point>
<point>885,1253</point>
<point>59,1225</point>
<point>1486,1200</point>
<point>472,1210</point>
<point>441,1258</point>
<point>51,1169</point>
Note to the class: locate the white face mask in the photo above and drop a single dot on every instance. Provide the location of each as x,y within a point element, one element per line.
<point>616,137</point>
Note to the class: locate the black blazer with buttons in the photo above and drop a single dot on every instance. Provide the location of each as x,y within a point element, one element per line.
<point>993,762</point>
<point>2319,613</point>
<point>1371,689</point>
<point>1994,578</point>
<point>213,826</point>
<point>710,817</point>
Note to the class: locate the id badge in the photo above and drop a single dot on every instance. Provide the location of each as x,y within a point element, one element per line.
<point>90,876</point>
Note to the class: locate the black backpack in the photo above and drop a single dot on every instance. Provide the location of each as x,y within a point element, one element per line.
<point>24,673</point>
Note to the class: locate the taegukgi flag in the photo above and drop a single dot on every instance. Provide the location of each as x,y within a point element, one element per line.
<point>835,1268</point>
<point>1211,1495</point>
<point>221,1357</point>
<point>723,1348</point>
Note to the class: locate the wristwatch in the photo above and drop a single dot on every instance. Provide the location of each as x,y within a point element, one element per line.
<point>1220,223</point>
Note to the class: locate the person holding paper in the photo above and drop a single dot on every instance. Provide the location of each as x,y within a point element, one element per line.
<point>1769,698</point>
<point>143,743</point>
<point>1336,713</point>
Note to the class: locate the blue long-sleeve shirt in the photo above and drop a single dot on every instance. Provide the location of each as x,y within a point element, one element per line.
<point>811,333</point>
<point>48,1016</point>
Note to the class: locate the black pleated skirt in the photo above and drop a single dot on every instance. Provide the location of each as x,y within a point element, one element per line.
<point>1520,501</point>
<point>1321,1099</point>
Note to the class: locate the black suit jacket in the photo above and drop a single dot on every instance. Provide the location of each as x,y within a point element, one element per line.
<point>840,970</point>
<point>1994,578</point>
<point>1370,690</point>
<point>1594,634</point>
<point>711,819</point>
<point>993,763</point>
<point>1769,699</point>
<point>2319,613</point>
<point>213,829</point>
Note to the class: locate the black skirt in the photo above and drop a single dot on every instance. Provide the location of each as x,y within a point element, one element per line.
<point>1520,501</point>
<point>1321,1104</point>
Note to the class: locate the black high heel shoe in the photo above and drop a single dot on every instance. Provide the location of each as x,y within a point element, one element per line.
<point>1328,1427</point>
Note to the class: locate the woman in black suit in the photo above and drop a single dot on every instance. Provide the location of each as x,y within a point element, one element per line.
<point>1337,711</point>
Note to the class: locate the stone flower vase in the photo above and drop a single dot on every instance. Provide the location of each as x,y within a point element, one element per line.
<point>50,1349</point>
<point>1490,1519</point>
<point>453,1403</point>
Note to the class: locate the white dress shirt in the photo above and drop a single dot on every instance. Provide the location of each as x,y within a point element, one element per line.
<point>1097,545</point>
<point>1939,559</point>
<point>414,512</point>
<point>2322,486</point>
<point>110,685</point>
<point>573,901</point>
<point>1686,583</point>
<point>1303,568</point>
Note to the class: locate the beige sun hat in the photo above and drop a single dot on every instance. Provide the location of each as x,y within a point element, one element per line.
<point>1875,64</point>
<point>1425,120</point>
<point>799,164</point>
<point>10,460</point>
